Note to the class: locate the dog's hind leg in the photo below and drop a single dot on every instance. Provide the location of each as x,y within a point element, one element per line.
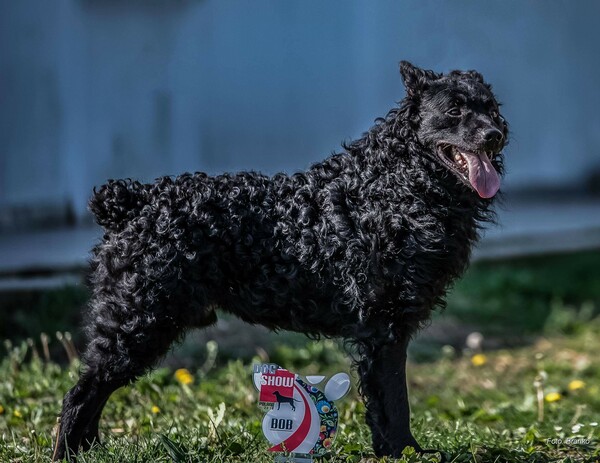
<point>80,405</point>
<point>91,434</point>
<point>129,331</point>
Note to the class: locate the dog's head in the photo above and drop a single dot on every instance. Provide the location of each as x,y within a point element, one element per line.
<point>459,122</point>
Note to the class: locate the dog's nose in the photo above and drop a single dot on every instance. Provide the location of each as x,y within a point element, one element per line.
<point>493,136</point>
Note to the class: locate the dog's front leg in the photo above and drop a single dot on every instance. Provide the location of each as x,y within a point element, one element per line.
<point>383,383</point>
<point>391,370</point>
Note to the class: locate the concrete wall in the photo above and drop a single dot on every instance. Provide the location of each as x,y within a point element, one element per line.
<point>92,89</point>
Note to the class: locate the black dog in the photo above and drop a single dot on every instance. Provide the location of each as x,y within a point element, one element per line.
<point>362,246</point>
<point>281,399</point>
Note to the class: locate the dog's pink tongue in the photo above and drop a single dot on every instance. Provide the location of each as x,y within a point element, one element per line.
<point>482,175</point>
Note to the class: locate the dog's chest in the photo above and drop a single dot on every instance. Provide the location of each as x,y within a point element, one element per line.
<point>427,246</point>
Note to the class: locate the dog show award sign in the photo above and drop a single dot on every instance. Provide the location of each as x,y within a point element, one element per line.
<point>300,419</point>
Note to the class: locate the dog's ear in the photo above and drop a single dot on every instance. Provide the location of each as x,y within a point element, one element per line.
<point>415,79</point>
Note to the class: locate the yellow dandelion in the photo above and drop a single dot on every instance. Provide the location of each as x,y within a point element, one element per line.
<point>155,409</point>
<point>17,414</point>
<point>553,397</point>
<point>184,376</point>
<point>1,409</point>
<point>478,360</point>
<point>576,384</point>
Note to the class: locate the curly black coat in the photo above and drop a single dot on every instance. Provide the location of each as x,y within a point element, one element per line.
<point>362,246</point>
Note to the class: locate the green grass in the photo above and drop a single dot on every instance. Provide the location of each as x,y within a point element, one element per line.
<point>486,413</point>
<point>520,295</point>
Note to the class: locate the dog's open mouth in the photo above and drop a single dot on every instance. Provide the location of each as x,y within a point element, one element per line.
<point>475,169</point>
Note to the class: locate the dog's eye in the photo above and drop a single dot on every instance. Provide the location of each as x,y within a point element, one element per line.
<point>454,111</point>
<point>494,114</point>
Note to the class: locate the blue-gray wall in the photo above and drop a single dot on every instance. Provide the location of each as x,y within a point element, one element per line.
<point>91,89</point>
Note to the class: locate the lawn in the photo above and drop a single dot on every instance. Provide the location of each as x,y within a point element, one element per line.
<point>479,407</point>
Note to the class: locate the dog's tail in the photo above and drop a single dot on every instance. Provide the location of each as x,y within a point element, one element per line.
<point>115,203</point>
